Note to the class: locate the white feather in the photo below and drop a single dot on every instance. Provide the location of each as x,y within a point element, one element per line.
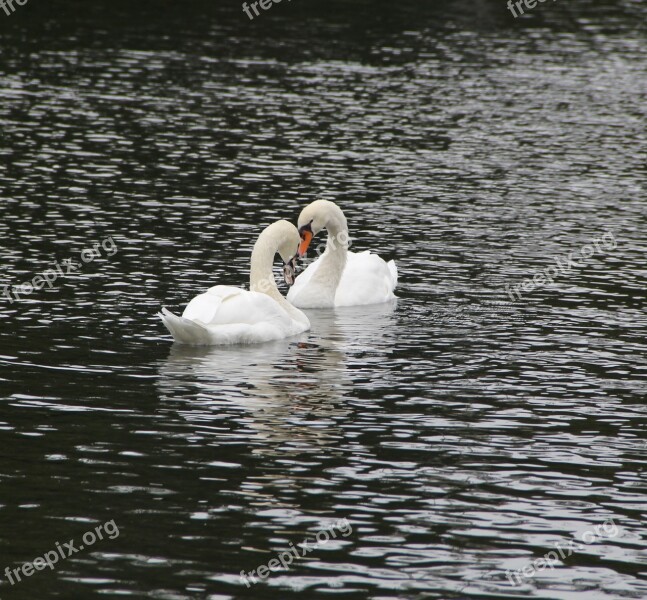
<point>230,315</point>
<point>340,277</point>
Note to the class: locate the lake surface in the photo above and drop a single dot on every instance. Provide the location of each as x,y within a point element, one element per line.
<point>460,434</point>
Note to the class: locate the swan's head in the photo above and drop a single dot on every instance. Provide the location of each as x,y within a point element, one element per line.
<point>284,238</point>
<point>318,215</point>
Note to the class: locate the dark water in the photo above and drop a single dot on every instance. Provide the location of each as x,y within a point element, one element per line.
<point>460,434</point>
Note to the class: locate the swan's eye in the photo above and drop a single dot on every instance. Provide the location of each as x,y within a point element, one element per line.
<point>305,228</point>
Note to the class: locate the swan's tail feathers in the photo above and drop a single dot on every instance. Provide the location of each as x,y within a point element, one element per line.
<point>183,330</point>
<point>394,272</point>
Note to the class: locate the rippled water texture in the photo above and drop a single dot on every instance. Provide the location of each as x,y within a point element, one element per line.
<point>461,434</point>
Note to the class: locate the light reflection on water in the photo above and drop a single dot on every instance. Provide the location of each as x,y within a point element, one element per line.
<point>290,391</point>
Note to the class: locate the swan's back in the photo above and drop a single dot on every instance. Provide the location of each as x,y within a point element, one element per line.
<point>367,279</point>
<point>229,315</point>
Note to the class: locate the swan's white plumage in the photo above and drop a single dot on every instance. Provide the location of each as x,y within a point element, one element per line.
<point>366,279</point>
<point>230,315</point>
<point>340,277</point>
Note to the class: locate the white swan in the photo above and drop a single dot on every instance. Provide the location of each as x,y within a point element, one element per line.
<point>230,315</point>
<point>339,277</point>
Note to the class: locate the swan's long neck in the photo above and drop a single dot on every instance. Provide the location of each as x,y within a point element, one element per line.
<point>333,260</point>
<point>261,277</point>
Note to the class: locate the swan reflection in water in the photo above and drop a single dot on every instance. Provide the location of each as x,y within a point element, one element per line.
<point>289,391</point>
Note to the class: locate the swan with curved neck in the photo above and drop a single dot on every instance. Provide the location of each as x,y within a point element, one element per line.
<point>229,315</point>
<point>339,277</point>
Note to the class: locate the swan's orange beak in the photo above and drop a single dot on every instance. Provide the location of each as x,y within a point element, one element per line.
<point>306,238</point>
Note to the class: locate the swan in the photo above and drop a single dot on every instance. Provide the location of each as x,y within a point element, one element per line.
<point>230,315</point>
<point>339,277</point>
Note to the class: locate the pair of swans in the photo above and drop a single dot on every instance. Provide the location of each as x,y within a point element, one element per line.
<point>229,315</point>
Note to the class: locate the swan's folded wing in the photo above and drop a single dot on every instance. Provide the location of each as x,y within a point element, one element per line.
<point>204,307</point>
<point>251,308</point>
<point>226,305</point>
<point>367,279</point>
